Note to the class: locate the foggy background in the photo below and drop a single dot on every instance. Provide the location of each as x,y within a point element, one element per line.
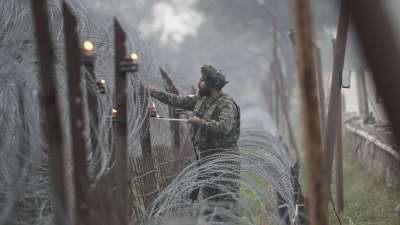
<point>236,37</point>
<point>233,35</point>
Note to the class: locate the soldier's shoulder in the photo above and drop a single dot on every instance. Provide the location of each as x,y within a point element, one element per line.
<point>226,98</point>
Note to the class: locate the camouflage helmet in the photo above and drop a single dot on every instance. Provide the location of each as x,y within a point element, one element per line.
<point>211,76</point>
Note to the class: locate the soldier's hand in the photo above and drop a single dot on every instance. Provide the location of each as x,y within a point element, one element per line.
<point>194,120</point>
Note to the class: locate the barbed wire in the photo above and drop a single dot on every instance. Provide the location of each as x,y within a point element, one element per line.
<point>25,186</point>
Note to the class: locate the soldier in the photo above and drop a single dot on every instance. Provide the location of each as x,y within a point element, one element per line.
<point>215,125</point>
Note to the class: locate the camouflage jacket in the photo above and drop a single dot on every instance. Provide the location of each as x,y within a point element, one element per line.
<point>220,118</point>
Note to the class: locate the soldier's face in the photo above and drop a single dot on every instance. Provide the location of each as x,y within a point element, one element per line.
<point>204,90</point>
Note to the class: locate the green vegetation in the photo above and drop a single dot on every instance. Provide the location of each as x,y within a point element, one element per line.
<point>368,201</point>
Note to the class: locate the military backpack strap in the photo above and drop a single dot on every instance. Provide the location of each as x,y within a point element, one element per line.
<point>236,105</point>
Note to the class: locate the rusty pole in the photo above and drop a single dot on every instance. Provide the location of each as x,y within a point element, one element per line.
<point>49,102</point>
<point>121,141</point>
<point>335,90</point>
<point>74,80</point>
<point>318,204</point>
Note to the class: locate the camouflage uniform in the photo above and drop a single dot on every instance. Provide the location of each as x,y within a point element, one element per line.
<point>220,119</point>
<point>217,132</point>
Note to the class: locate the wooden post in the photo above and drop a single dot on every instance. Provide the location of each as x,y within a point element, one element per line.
<point>270,90</point>
<point>339,162</point>
<point>88,60</point>
<point>321,92</point>
<point>74,79</point>
<point>170,87</point>
<point>274,70</point>
<point>359,91</point>
<point>150,180</point>
<point>318,204</point>
<point>277,111</point>
<point>335,90</point>
<point>121,142</point>
<point>379,43</point>
<point>363,91</point>
<point>281,91</point>
<point>51,105</point>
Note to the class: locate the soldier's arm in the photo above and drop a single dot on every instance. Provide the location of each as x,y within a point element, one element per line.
<point>184,102</point>
<point>225,122</point>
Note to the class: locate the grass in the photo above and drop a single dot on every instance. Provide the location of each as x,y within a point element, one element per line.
<point>368,201</point>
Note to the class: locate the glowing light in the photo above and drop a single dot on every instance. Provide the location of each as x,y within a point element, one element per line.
<point>88,46</point>
<point>101,82</point>
<point>134,57</point>
<point>114,112</point>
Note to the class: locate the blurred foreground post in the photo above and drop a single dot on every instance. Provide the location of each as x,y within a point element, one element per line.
<point>382,53</point>
<point>318,204</point>
<point>51,106</point>
<point>121,141</point>
<point>321,91</point>
<point>79,151</point>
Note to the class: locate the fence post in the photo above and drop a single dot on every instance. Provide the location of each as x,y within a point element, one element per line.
<point>49,102</point>
<point>380,46</point>
<point>281,89</point>
<point>277,109</point>
<point>150,180</point>
<point>335,90</point>
<point>170,87</point>
<point>121,142</point>
<point>318,204</point>
<point>362,91</point>
<point>79,151</point>
<point>339,161</point>
<point>88,60</point>
<point>321,91</point>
